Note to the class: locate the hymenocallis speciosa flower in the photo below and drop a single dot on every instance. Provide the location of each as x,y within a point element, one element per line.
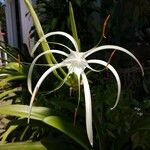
<point>76,63</point>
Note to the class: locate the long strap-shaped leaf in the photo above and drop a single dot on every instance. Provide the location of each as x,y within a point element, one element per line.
<point>4,81</point>
<point>44,144</point>
<point>45,114</point>
<point>23,146</point>
<point>5,93</point>
<point>6,133</point>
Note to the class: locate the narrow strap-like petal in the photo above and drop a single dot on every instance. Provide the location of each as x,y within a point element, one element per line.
<point>93,50</point>
<point>88,108</point>
<point>39,84</point>
<point>111,68</point>
<point>60,44</point>
<point>55,33</point>
<point>29,79</point>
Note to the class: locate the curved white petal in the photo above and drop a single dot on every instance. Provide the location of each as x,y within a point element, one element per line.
<point>55,33</point>
<point>93,50</point>
<point>88,108</point>
<point>39,84</point>
<point>29,78</point>
<point>60,44</point>
<point>101,62</point>
<point>89,67</point>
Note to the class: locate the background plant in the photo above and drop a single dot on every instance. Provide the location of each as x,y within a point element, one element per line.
<point>130,119</point>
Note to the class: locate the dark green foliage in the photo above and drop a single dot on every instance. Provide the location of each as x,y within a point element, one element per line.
<point>54,16</point>
<point>128,18</point>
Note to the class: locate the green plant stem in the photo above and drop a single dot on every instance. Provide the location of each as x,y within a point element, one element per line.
<point>50,58</point>
<point>73,25</point>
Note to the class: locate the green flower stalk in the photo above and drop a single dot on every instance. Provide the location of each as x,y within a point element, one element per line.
<point>76,62</point>
<point>49,58</point>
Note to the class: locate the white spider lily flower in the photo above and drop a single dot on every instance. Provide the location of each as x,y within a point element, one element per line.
<point>77,62</point>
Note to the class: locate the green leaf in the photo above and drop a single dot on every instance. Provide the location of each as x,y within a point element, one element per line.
<point>68,128</point>
<point>4,81</point>
<point>73,24</point>
<point>39,30</point>
<point>50,58</point>
<point>14,66</point>
<point>45,144</point>
<point>5,93</point>
<point>38,113</point>
<point>23,146</point>
<point>6,133</point>
<point>45,115</point>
